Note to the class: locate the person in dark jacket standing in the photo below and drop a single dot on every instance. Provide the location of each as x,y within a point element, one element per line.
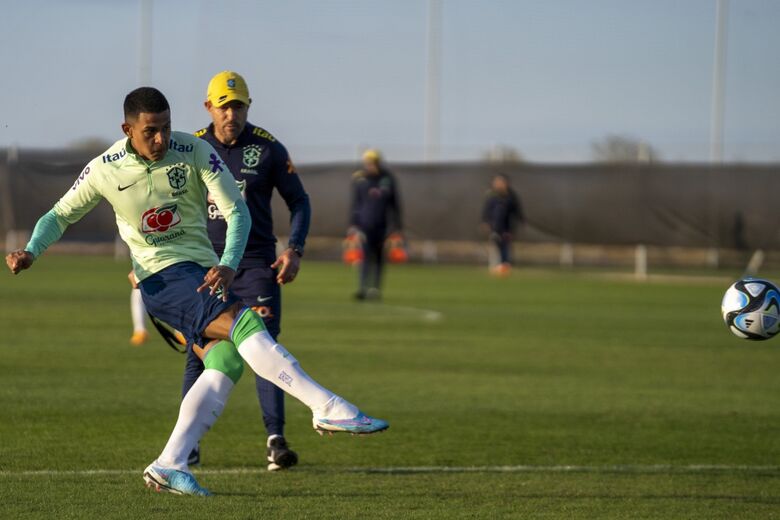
<point>260,164</point>
<point>375,214</point>
<point>500,216</point>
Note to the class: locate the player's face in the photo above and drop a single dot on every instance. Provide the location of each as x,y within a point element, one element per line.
<point>371,166</point>
<point>149,134</point>
<point>229,120</point>
<point>500,184</point>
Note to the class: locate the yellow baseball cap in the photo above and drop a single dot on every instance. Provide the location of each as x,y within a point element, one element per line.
<point>372,154</point>
<point>227,86</point>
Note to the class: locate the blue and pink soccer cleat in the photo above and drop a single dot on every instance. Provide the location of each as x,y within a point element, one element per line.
<point>361,424</point>
<point>174,481</point>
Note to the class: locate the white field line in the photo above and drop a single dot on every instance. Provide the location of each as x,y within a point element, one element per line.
<point>425,314</point>
<point>621,469</point>
<point>662,278</point>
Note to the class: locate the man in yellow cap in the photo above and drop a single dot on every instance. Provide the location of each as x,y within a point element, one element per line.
<point>375,213</point>
<point>260,164</point>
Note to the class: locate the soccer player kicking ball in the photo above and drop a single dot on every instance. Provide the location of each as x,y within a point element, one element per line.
<point>156,181</point>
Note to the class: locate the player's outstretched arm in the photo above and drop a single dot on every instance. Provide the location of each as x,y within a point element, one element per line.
<point>76,203</point>
<point>47,230</point>
<point>19,260</point>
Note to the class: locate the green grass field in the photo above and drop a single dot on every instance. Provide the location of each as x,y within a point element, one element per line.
<point>545,395</point>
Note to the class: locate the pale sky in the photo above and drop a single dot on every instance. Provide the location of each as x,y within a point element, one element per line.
<point>547,77</point>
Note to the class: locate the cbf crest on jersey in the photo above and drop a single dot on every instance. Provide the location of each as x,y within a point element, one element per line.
<point>252,155</point>
<point>177,177</point>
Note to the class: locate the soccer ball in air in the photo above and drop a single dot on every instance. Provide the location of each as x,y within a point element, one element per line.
<point>751,309</point>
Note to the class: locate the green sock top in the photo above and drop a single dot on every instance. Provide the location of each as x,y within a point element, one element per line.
<point>246,323</point>
<point>224,357</point>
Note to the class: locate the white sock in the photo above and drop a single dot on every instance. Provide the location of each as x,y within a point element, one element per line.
<point>271,361</point>
<point>137,310</point>
<point>199,410</point>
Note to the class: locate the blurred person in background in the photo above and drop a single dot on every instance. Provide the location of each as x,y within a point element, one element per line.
<point>375,214</point>
<point>500,215</point>
<point>137,312</point>
<point>173,337</point>
<point>260,164</point>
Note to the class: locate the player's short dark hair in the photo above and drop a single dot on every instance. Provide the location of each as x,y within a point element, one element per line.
<point>145,99</point>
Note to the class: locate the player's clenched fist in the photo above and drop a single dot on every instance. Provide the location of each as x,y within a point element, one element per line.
<point>19,260</point>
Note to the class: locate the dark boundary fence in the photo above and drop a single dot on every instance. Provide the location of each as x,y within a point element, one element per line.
<point>674,205</point>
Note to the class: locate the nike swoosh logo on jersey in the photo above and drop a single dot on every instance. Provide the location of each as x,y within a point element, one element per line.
<point>123,188</point>
<point>260,299</point>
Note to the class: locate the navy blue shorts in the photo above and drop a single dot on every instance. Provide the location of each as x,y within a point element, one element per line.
<point>171,296</point>
<point>257,288</point>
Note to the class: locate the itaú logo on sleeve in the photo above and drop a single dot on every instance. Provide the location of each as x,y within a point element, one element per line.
<point>158,220</point>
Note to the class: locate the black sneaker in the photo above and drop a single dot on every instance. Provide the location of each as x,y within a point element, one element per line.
<point>194,458</point>
<point>280,456</point>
